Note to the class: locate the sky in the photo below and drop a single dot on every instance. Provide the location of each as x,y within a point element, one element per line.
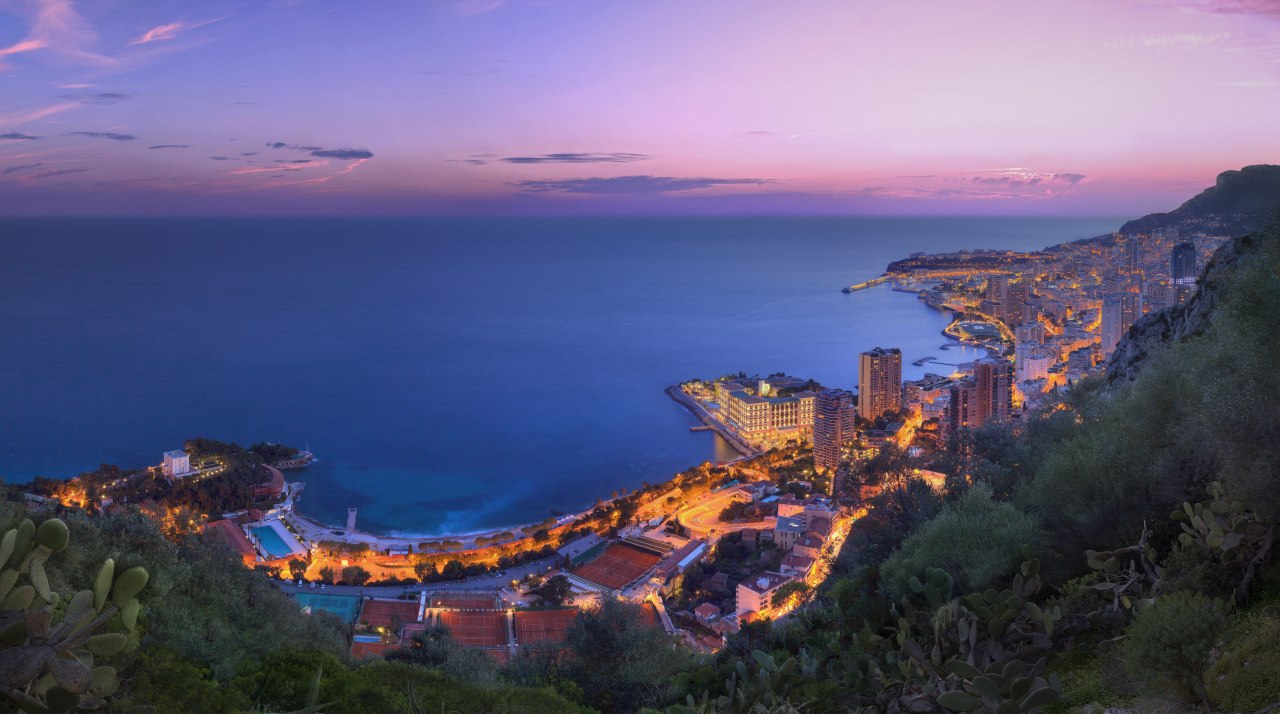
<point>421,107</point>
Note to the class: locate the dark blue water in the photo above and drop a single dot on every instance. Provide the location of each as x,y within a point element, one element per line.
<point>451,374</point>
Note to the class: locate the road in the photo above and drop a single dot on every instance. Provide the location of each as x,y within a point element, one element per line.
<point>483,582</point>
<point>705,517</point>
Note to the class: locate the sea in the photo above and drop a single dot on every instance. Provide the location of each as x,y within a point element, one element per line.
<point>451,375</point>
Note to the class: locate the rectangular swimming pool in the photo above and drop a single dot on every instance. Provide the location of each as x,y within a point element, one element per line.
<point>271,542</point>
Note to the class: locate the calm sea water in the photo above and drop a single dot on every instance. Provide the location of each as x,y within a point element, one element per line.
<point>452,375</point>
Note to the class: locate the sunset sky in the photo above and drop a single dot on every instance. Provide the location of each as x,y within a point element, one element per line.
<point>660,106</point>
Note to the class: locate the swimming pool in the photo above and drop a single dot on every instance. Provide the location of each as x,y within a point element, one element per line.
<point>367,638</point>
<point>270,541</point>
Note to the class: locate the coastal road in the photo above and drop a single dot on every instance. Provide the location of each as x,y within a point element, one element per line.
<point>482,582</point>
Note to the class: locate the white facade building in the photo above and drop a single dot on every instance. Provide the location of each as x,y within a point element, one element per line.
<point>176,463</point>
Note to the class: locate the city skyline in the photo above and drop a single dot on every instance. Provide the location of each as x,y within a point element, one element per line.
<point>486,106</point>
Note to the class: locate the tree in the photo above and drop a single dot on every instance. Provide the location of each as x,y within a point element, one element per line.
<point>620,662</point>
<point>554,591</point>
<point>355,575</point>
<point>327,575</point>
<point>454,570</point>
<point>1172,639</point>
<point>297,568</point>
<point>426,570</point>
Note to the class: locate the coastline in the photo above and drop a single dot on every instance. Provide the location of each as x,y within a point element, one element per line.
<point>744,450</point>
<point>325,531</point>
<point>956,315</point>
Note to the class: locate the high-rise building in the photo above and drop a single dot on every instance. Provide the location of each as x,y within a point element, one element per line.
<point>986,396</point>
<point>1119,312</point>
<point>960,406</point>
<point>1133,255</point>
<point>1034,362</point>
<point>832,427</point>
<point>1182,264</point>
<point>1015,304</point>
<point>879,382</point>
<point>1029,333</point>
<point>994,381</point>
<point>997,285</point>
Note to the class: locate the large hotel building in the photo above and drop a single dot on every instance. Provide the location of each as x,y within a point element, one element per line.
<point>759,412</point>
<point>879,382</point>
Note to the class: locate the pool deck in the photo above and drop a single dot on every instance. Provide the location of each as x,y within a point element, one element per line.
<point>291,542</point>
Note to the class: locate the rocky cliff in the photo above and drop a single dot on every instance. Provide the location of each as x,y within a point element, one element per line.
<point>1190,319</point>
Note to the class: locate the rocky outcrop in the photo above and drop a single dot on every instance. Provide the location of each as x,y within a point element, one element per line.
<point>1239,202</point>
<point>1186,321</point>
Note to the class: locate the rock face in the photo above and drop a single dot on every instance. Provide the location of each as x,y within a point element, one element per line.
<point>1181,322</point>
<point>1241,201</point>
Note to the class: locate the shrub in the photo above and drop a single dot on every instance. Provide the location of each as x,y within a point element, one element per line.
<point>1247,678</point>
<point>976,540</point>
<point>1170,642</point>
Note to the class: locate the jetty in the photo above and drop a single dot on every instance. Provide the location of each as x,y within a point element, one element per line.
<point>867,284</point>
<point>709,422</point>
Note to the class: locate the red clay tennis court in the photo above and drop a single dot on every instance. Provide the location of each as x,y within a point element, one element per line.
<point>533,626</point>
<point>386,613</point>
<point>476,629</point>
<point>464,601</point>
<point>618,565</point>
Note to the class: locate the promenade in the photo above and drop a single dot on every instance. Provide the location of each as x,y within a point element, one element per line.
<point>495,581</point>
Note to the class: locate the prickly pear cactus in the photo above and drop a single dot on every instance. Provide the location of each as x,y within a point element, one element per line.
<point>51,647</point>
<point>1231,532</point>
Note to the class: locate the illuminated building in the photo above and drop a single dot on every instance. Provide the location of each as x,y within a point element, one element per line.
<point>1034,362</point>
<point>986,396</point>
<point>879,382</point>
<point>1119,312</point>
<point>833,426</point>
<point>764,412</point>
<point>756,593</point>
<point>176,463</point>
<point>1182,264</point>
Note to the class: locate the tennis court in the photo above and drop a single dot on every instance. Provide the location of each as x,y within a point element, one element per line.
<point>344,606</point>
<point>464,601</point>
<point>476,629</point>
<point>617,566</point>
<point>387,613</point>
<point>533,626</point>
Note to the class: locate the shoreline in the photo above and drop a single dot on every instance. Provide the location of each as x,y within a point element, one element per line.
<point>406,539</point>
<point>743,448</point>
<point>674,392</point>
<point>324,531</point>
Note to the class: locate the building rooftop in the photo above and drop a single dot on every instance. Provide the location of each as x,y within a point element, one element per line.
<point>810,541</point>
<point>706,611</point>
<point>786,524</point>
<point>230,533</point>
<point>175,454</point>
<point>797,561</point>
<point>764,582</point>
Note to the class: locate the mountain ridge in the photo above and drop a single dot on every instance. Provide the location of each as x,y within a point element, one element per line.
<point>1242,200</point>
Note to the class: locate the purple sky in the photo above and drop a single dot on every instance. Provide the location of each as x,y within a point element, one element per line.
<point>660,106</point>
